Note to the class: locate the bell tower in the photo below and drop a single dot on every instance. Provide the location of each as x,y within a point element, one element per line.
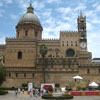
<point>81,20</point>
<point>29,25</point>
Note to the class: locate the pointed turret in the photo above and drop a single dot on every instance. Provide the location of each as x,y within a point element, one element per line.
<point>81,15</point>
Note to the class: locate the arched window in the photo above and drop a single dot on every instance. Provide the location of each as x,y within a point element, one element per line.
<point>33,75</point>
<point>99,71</point>
<point>16,74</point>
<point>18,34</point>
<point>62,43</point>
<point>88,71</point>
<point>9,74</point>
<point>24,74</point>
<point>75,43</point>
<point>82,28</point>
<point>71,43</point>
<point>36,34</point>
<point>26,33</point>
<point>19,55</point>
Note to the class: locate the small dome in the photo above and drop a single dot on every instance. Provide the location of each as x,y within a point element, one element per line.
<point>29,16</point>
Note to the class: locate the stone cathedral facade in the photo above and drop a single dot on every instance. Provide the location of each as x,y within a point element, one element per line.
<point>67,56</point>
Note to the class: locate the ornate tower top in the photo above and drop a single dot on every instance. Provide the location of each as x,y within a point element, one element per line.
<point>30,8</point>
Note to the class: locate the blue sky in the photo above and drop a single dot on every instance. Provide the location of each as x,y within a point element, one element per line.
<point>54,15</point>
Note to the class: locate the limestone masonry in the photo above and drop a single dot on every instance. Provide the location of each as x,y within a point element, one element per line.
<point>67,56</point>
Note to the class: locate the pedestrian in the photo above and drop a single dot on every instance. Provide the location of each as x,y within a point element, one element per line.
<point>19,90</point>
<point>36,93</point>
<point>23,91</point>
<point>16,92</point>
<point>31,92</point>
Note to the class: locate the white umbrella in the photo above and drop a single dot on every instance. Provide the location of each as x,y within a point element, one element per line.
<point>78,77</point>
<point>93,84</point>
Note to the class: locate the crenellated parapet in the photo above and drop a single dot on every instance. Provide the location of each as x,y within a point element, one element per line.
<point>71,34</point>
<point>68,32</point>
<point>17,39</point>
<point>13,38</point>
<point>50,39</point>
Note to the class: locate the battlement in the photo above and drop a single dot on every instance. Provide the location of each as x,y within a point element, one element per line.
<point>50,39</point>
<point>72,33</point>
<point>17,39</point>
<point>13,38</point>
<point>67,32</point>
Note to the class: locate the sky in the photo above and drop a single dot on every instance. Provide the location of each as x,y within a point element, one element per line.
<point>55,16</point>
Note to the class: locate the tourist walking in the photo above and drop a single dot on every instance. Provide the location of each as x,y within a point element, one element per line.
<point>16,92</point>
<point>31,92</point>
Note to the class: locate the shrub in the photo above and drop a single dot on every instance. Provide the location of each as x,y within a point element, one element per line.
<point>3,92</point>
<point>99,87</point>
<point>50,89</point>
<point>92,88</point>
<point>4,88</point>
<point>83,89</point>
<point>57,98</point>
<point>57,85</point>
<point>24,85</point>
<point>67,88</point>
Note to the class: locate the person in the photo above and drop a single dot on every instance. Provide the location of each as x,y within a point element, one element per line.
<point>44,91</point>
<point>36,93</point>
<point>31,92</point>
<point>23,91</point>
<point>41,93</point>
<point>19,90</point>
<point>16,92</point>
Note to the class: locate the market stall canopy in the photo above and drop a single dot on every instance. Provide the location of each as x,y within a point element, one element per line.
<point>77,77</point>
<point>93,84</point>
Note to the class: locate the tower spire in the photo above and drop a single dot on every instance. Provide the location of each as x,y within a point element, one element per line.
<point>81,16</point>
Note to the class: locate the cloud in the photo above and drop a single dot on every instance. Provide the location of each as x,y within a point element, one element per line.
<point>1,4</point>
<point>54,27</point>
<point>2,40</point>
<point>2,11</point>
<point>81,6</point>
<point>89,26</point>
<point>52,1</point>
<point>94,43</point>
<point>14,16</point>
<point>95,21</point>
<point>89,13</point>
<point>8,1</point>
<point>64,10</point>
<point>38,5</point>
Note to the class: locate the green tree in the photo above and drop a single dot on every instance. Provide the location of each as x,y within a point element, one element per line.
<point>2,75</point>
<point>43,52</point>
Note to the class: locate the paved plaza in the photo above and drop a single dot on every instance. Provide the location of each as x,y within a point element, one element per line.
<point>11,96</point>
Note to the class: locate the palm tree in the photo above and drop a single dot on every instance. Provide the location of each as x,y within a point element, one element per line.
<point>43,52</point>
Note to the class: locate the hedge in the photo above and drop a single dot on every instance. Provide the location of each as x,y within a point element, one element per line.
<point>3,92</point>
<point>58,97</point>
<point>12,88</point>
<point>24,85</point>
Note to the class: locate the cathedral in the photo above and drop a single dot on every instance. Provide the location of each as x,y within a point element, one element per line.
<point>66,57</point>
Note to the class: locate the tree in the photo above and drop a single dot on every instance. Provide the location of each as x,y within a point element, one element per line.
<point>43,52</point>
<point>2,75</point>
